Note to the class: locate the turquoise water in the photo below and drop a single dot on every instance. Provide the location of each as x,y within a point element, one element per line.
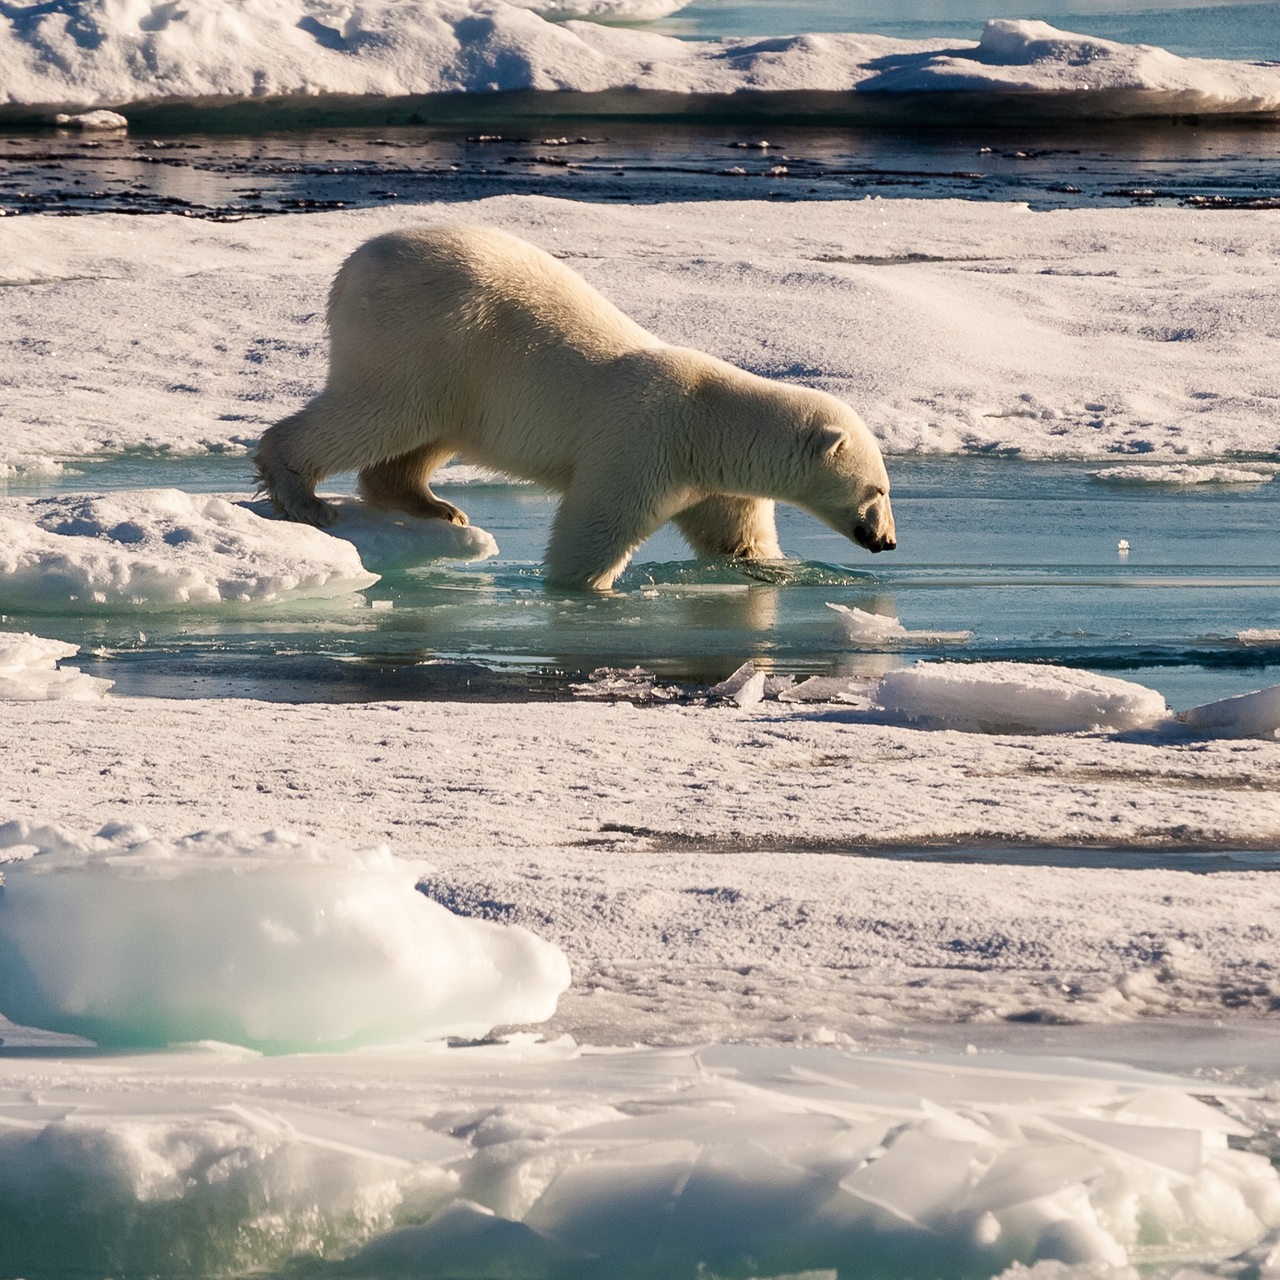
<point>1023,554</point>
<point>1239,30</point>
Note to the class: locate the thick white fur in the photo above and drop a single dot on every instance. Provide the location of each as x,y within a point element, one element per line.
<point>465,342</point>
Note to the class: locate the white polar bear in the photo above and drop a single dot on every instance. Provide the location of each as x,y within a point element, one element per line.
<point>460,341</point>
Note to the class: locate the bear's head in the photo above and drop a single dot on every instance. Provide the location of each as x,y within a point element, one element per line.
<point>847,485</point>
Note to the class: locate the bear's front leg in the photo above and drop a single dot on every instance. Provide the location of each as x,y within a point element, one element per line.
<point>726,525</point>
<point>598,526</point>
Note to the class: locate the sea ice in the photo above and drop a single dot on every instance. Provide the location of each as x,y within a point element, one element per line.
<point>1249,715</point>
<point>1186,474</point>
<point>29,670</point>
<point>1017,697</point>
<point>154,549</point>
<point>268,941</point>
<point>878,629</point>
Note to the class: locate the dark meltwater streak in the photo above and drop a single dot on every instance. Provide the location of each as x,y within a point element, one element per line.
<point>228,176</point>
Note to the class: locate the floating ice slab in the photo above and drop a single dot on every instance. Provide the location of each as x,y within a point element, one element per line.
<point>267,941</point>
<point>387,541</point>
<point>159,548</point>
<point>544,1161</point>
<point>1250,715</point>
<point>877,629</point>
<point>1017,697</point>
<point>29,670</point>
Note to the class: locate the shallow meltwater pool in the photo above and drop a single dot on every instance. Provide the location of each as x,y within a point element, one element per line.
<point>1137,574</point>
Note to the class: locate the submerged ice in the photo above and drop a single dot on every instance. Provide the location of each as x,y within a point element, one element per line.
<point>265,940</point>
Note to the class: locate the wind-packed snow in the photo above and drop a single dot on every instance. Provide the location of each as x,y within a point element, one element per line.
<point>29,669</point>
<point>259,940</point>
<point>948,325</point>
<point>110,53</point>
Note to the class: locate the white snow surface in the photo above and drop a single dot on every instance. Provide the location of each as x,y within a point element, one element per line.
<point>948,325</point>
<point>109,53</point>
<point>29,669</point>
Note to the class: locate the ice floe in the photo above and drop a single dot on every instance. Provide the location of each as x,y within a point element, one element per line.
<point>109,53</point>
<point>1017,697</point>
<point>1186,475</point>
<point>160,548</point>
<point>262,940</point>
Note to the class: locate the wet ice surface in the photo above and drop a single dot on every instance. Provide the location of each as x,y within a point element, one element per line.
<point>230,177</point>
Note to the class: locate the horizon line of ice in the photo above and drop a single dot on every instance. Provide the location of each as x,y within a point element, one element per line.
<point>108,54</point>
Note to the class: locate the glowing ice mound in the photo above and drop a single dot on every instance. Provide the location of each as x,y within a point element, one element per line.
<point>387,540</point>
<point>159,548</point>
<point>865,628</point>
<point>267,941</point>
<point>1017,697</point>
<point>1250,715</point>
<point>29,671</point>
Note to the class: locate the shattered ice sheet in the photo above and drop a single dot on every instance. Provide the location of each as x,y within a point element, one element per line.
<point>159,548</point>
<point>29,670</point>
<point>546,1161</point>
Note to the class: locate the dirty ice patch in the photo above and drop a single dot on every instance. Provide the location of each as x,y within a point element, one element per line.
<point>1017,697</point>
<point>879,630</point>
<point>263,940</point>
<point>1188,475</point>
<point>543,1160</point>
<point>386,540</point>
<point>29,671</point>
<point>160,548</point>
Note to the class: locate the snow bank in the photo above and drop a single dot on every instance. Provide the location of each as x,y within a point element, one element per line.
<point>544,1162</point>
<point>1017,697</point>
<point>29,670</point>
<point>115,52</point>
<point>159,548</point>
<point>878,629</point>
<point>260,940</point>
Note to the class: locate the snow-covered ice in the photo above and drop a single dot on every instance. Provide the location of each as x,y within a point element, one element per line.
<point>948,325</point>
<point>1181,475</point>
<point>112,53</point>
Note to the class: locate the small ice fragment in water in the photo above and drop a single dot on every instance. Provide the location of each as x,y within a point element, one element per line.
<point>745,687</point>
<point>879,629</point>
<point>29,671</point>
<point>92,120</point>
<point>1123,547</point>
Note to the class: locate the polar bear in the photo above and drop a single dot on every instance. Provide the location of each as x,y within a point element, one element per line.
<point>461,341</point>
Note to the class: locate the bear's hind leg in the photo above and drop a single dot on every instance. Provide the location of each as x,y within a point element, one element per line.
<point>725,525</point>
<point>401,484</point>
<point>287,476</point>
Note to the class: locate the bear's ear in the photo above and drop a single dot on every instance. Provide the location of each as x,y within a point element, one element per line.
<point>826,440</point>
